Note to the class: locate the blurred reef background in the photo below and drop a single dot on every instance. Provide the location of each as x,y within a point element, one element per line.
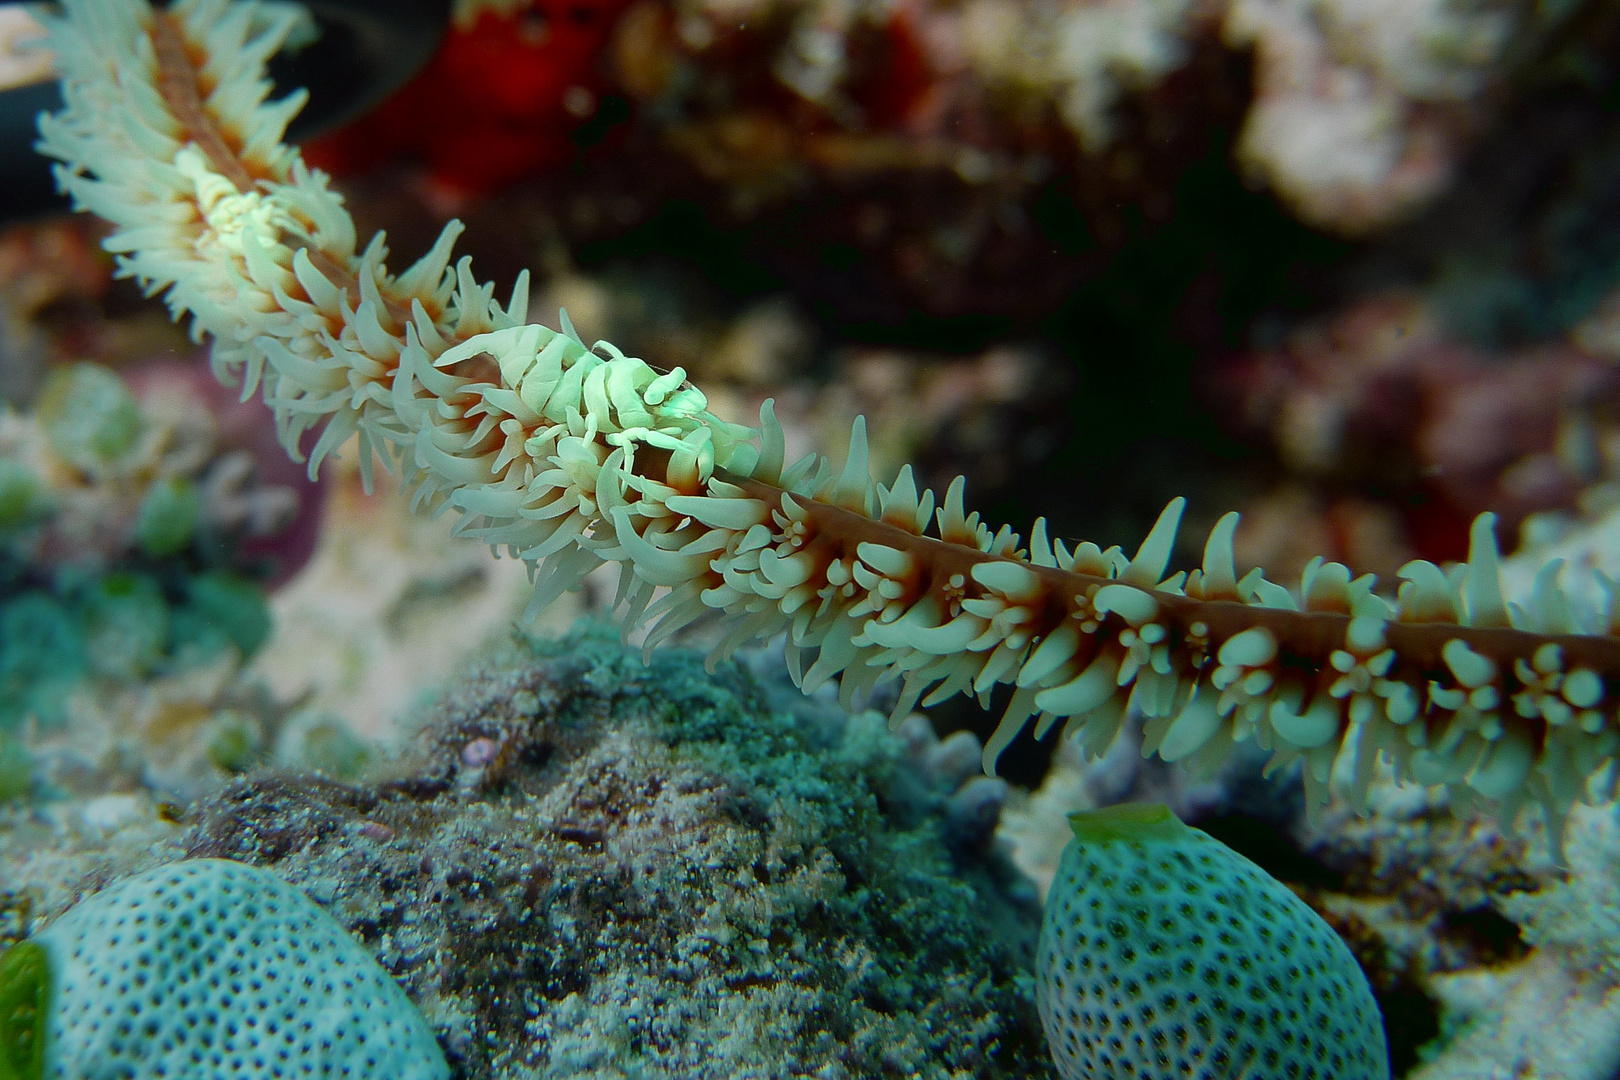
<point>1351,267</point>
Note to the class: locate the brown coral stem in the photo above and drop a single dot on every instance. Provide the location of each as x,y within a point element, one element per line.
<point>1305,639</point>
<point>179,81</point>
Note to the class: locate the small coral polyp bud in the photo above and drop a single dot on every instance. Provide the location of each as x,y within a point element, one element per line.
<point>571,456</point>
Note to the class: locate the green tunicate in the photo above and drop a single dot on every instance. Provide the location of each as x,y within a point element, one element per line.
<point>41,657</point>
<point>1126,821</point>
<point>323,743</point>
<point>168,516</point>
<point>222,609</point>
<point>90,417</point>
<point>127,626</point>
<point>25,983</point>
<point>235,741</point>
<point>16,770</point>
<point>22,496</point>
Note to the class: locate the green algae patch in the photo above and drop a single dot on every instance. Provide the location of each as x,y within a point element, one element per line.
<point>1126,822</point>
<point>25,987</point>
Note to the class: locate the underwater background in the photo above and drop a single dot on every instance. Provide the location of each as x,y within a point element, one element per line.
<point>1350,267</point>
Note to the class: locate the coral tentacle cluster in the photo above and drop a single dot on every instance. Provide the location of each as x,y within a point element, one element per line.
<point>571,456</point>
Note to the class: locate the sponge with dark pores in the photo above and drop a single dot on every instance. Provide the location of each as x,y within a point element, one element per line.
<point>215,970</point>
<point>1165,954</point>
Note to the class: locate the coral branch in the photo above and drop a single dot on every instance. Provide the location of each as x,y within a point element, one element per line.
<point>177,81</point>
<point>570,457</point>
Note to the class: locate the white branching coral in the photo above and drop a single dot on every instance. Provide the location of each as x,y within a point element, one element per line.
<point>1361,104</point>
<point>1085,55</point>
<point>569,457</point>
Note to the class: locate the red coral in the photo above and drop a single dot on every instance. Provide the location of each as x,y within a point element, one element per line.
<point>501,100</point>
<point>901,81</point>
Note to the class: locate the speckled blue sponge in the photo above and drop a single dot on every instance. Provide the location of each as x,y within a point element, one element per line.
<point>213,970</point>
<point>1165,954</point>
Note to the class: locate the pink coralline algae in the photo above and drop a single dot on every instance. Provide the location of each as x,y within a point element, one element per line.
<point>1380,396</point>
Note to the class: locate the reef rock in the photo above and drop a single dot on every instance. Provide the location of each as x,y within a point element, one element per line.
<point>592,867</point>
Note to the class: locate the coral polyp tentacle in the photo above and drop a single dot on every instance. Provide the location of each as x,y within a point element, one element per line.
<point>571,457</point>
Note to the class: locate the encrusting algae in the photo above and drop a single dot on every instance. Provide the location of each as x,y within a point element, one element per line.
<point>570,457</point>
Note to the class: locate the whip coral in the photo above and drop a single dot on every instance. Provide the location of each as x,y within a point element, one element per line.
<point>570,456</point>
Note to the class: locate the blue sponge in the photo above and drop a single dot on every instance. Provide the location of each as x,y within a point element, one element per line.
<point>213,970</point>
<point>1165,954</point>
